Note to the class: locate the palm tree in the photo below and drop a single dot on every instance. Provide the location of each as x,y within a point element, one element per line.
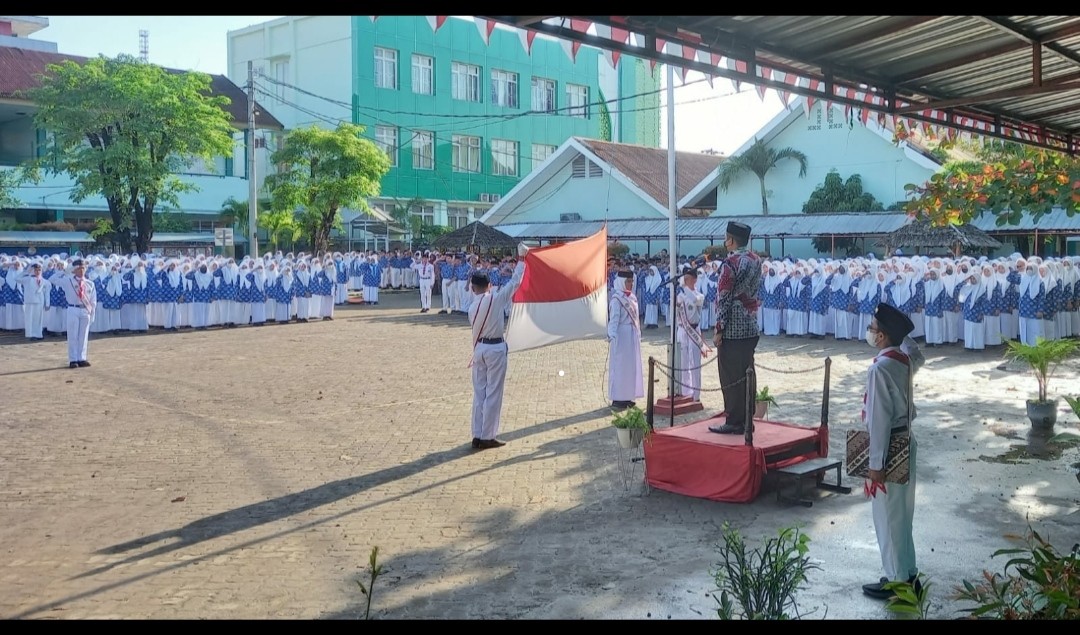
<point>758,159</point>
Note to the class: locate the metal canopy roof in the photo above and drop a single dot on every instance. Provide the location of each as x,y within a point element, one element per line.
<point>772,226</point>
<point>1010,77</point>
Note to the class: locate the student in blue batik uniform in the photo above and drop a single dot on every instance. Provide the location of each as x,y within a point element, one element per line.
<point>384,270</point>
<point>934,306</point>
<point>372,273</point>
<point>665,297</point>
<point>201,296</point>
<point>56,317</point>
<point>820,300</point>
<point>100,280</point>
<point>797,308</point>
<point>133,314</point>
<point>284,293</point>
<point>1064,300</point>
<point>172,287</point>
<point>257,294</point>
<point>974,302</point>
<point>869,296</point>
<point>996,303</point>
<point>446,276</point>
<point>322,291</point>
<point>1032,302</point>
<point>1010,327</point>
<point>711,283</point>
<point>651,296</point>
<point>1050,310</point>
<point>845,315</point>
<point>771,292</point>
<point>462,275</point>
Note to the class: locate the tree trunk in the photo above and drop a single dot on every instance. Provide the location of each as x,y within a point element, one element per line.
<point>321,237</point>
<point>765,212</point>
<point>144,226</point>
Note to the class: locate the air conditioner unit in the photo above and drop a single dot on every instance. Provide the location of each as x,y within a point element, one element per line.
<point>571,217</point>
<point>495,198</point>
<point>485,197</point>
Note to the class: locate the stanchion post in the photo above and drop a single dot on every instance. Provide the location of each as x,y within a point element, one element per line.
<point>649,407</point>
<point>748,432</point>
<point>825,395</point>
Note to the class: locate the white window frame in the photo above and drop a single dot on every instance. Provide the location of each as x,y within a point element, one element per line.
<point>426,214</point>
<point>544,95</point>
<point>507,150</point>
<point>457,217</point>
<point>423,74</point>
<point>466,153</point>
<point>577,100</point>
<point>423,150</point>
<point>386,68</point>
<point>465,82</point>
<point>387,138</point>
<point>280,68</point>
<point>541,152</point>
<point>504,88</point>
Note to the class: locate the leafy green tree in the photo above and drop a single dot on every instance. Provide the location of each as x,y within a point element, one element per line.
<point>282,226</point>
<point>758,159</point>
<point>171,223</point>
<point>322,171</point>
<point>836,196</point>
<point>403,214</point>
<point>8,182</point>
<point>123,129</point>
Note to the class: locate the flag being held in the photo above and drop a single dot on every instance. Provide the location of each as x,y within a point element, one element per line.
<point>563,295</point>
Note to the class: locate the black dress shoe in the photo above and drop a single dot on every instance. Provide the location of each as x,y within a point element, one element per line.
<point>73,365</point>
<point>476,443</point>
<point>878,590</point>
<point>486,444</point>
<point>84,364</point>
<point>727,428</point>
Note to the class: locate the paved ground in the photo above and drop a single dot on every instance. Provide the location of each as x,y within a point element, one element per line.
<point>247,473</point>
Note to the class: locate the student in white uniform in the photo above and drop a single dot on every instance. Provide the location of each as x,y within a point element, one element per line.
<point>886,412</point>
<point>688,305</point>
<point>489,353</point>
<point>81,297</point>
<point>36,291</point>
<point>625,383</point>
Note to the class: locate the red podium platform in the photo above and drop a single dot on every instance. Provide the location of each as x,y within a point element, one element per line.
<point>683,405</point>
<point>690,460</point>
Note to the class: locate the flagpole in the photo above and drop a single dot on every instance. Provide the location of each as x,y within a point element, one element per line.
<point>672,213</point>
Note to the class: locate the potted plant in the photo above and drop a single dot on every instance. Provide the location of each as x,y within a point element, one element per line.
<point>762,402</point>
<point>1043,358</point>
<point>630,427</point>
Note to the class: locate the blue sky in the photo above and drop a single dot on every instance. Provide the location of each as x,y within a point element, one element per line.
<point>705,118</point>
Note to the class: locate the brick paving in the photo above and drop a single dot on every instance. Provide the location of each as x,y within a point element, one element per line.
<point>247,473</point>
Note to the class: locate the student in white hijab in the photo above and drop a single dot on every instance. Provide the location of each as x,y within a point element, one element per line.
<point>1031,301</point>
<point>1050,311</point>
<point>1064,285</point>
<point>975,302</point>
<point>953,323</point>
<point>651,298</point>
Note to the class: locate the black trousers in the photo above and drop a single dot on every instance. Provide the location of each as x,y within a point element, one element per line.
<point>735,357</point>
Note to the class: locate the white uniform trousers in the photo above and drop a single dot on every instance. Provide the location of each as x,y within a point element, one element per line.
<point>425,293</point>
<point>371,294</point>
<point>258,312</point>
<point>652,313</point>
<point>461,299</point>
<point>326,306</point>
<point>488,376</point>
<point>690,355</point>
<point>78,333</point>
<point>33,319</point>
<point>1030,330</point>
<point>446,286</point>
<point>893,513</point>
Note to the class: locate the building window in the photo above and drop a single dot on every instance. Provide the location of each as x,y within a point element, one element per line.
<point>457,217</point>
<point>540,153</point>
<point>577,100</point>
<point>543,94</point>
<point>423,150</point>
<point>387,138</point>
<point>281,77</point>
<point>385,68</point>
<point>582,168</point>
<point>466,82</point>
<point>466,153</point>
<point>426,214</point>
<point>423,75</point>
<point>504,89</point>
<point>504,157</point>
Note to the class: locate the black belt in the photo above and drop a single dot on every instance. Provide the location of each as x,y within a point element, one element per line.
<point>490,340</point>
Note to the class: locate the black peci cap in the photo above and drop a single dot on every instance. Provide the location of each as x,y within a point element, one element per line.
<point>739,230</point>
<point>626,274</point>
<point>893,322</point>
<point>480,279</point>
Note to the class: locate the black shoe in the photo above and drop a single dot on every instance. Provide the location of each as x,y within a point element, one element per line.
<point>727,428</point>
<point>878,590</point>
<point>476,443</point>
<point>84,364</point>
<point>486,444</point>
<point>73,365</point>
<point>618,405</point>
<point>443,312</point>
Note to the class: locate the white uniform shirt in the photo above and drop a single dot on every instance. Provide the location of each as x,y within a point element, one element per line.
<point>487,310</point>
<point>35,289</point>
<point>69,284</point>
<point>692,300</point>
<point>887,398</point>
<point>425,272</point>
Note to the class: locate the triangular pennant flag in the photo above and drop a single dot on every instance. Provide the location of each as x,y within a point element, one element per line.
<point>765,73</point>
<point>485,27</point>
<point>574,48</point>
<point>567,47</point>
<point>527,36</point>
<point>436,21</point>
<point>581,26</point>
<point>683,70</point>
<point>373,17</point>
<point>603,31</point>
<point>731,66</point>
<point>865,115</point>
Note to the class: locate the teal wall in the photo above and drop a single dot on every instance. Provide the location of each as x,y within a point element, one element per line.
<point>460,41</point>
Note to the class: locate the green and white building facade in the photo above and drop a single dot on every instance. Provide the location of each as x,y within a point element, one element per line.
<point>463,113</point>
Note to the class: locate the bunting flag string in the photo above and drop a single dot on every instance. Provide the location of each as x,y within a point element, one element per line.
<point>765,73</point>
<point>485,27</point>
<point>436,22</point>
<point>527,36</point>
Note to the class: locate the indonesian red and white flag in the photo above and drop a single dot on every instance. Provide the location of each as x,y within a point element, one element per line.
<point>563,294</point>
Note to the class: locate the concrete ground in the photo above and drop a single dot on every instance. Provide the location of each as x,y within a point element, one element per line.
<point>247,473</point>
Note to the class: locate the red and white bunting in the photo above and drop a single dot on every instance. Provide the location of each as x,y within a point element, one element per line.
<point>714,61</point>
<point>526,36</point>
<point>485,27</point>
<point>436,22</point>
<point>731,66</point>
<point>604,31</point>
<point>765,73</point>
<point>783,94</point>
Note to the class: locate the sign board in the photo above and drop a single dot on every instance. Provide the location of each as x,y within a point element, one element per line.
<point>223,237</point>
